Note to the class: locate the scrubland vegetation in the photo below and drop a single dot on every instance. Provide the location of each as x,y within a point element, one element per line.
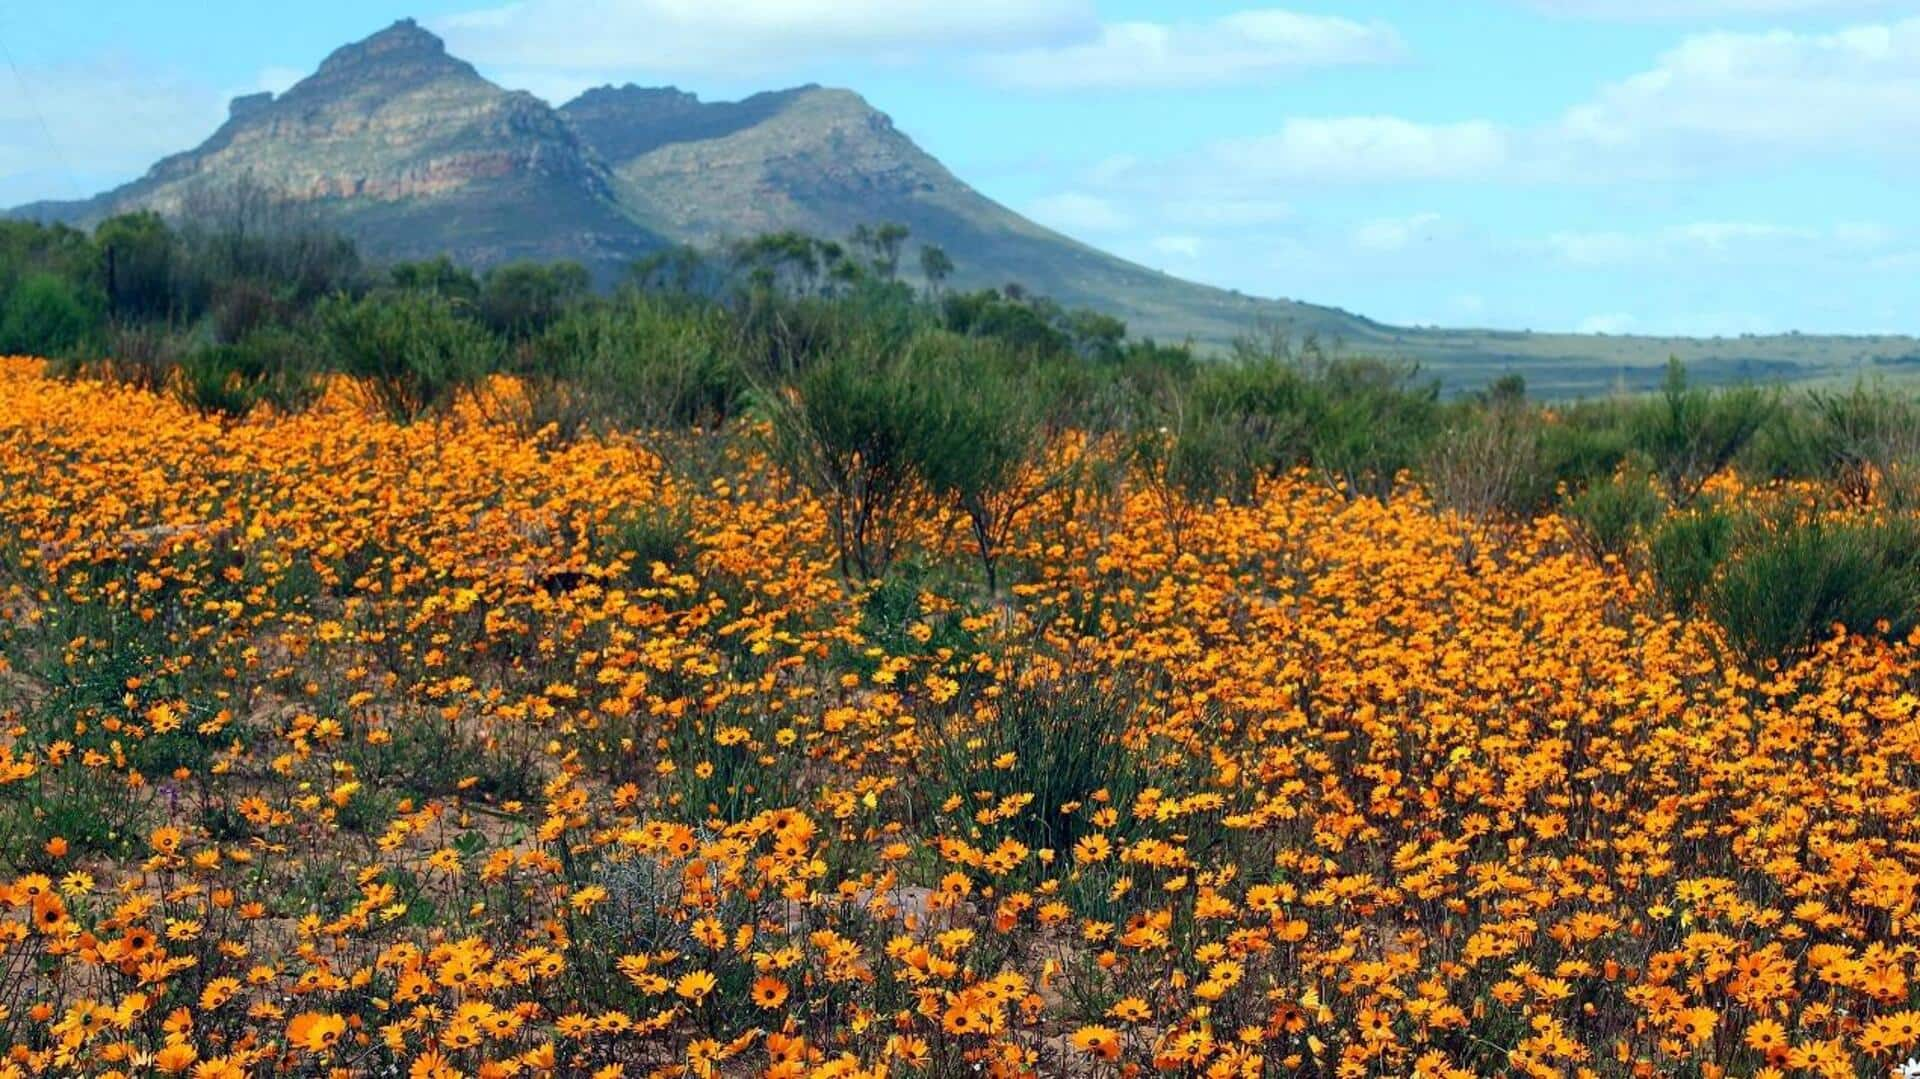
<point>775,668</point>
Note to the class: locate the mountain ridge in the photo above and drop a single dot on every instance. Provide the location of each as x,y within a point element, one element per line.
<point>413,152</point>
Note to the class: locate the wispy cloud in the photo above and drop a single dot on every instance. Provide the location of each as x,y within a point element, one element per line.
<point>1652,10</point>
<point>1076,212</point>
<point>750,36</point>
<point>1234,48</point>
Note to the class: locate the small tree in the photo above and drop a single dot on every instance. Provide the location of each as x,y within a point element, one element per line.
<point>523,298</point>
<point>986,428</point>
<point>845,429</point>
<point>137,255</point>
<point>1691,433</point>
<point>413,352</point>
<point>45,315</point>
<point>936,266</point>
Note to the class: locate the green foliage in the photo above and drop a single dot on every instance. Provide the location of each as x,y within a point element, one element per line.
<point>521,299</point>
<point>847,428</point>
<point>1610,516</point>
<point>1063,734</point>
<point>1864,436</point>
<point>639,361</point>
<point>1033,325</point>
<point>438,275</point>
<point>413,350</point>
<point>1690,433</point>
<point>984,422</point>
<point>1371,421</point>
<point>139,254</point>
<point>1686,551</point>
<point>45,314</point>
<point>1789,582</point>
<point>269,364</point>
<point>658,532</point>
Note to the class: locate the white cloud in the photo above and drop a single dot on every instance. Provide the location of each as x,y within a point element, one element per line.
<point>1388,234</point>
<point>1239,47</point>
<point>1368,148</point>
<point>1228,212</point>
<point>1073,211</point>
<point>1696,242</point>
<point>1777,91</point>
<point>1723,235</point>
<point>1695,9</point>
<point>1608,323</point>
<point>86,125</point>
<point>748,36</point>
<point>1594,248</point>
<point>1184,247</point>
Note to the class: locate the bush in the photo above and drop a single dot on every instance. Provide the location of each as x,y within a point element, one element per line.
<point>986,423</point>
<point>269,365</point>
<point>659,532</point>
<point>1064,734</point>
<point>1488,461</point>
<point>138,354</point>
<point>1370,421</point>
<point>638,362</point>
<point>1690,434</point>
<point>46,315</point>
<point>413,351</point>
<point>1685,551</point>
<point>1608,517</point>
<point>847,429</point>
<point>523,298</point>
<point>1790,582</point>
<point>1866,437</point>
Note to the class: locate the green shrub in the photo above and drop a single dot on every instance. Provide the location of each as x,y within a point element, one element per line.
<point>1690,434</point>
<point>1064,734</point>
<point>1608,517</point>
<point>46,315</point>
<point>1685,551</point>
<point>658,532</point>
<point>847,429</point>
<point>637,362</point>
<point>269,364</point>
<point>1581,445</point>
<point>1866,435</point>
<point>985,424</point>
<point>1790,582</point>
<point>1370,421</point>
<point>521,299</point>
<point>414,352</point>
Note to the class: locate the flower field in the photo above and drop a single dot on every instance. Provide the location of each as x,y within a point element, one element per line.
<point>334,746</point>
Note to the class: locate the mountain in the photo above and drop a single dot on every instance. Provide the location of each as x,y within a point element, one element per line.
<point>412,152</point>
<point>409,150</point>
<point>824,161</point>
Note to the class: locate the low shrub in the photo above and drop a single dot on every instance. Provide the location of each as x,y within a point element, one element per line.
<point>414,351</point>
<point>1789,582</point>
<point>1609,516</point>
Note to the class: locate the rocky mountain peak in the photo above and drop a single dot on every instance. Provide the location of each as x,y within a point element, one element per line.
<point>405,42</point>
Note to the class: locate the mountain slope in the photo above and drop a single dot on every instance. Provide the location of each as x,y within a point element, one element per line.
<point>409,150</point>
<point>823,161</point>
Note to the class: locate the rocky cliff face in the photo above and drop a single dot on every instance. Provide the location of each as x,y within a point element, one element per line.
<point>467,166</point>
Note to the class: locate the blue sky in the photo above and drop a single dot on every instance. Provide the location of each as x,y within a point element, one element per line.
<point>1684,166</point>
